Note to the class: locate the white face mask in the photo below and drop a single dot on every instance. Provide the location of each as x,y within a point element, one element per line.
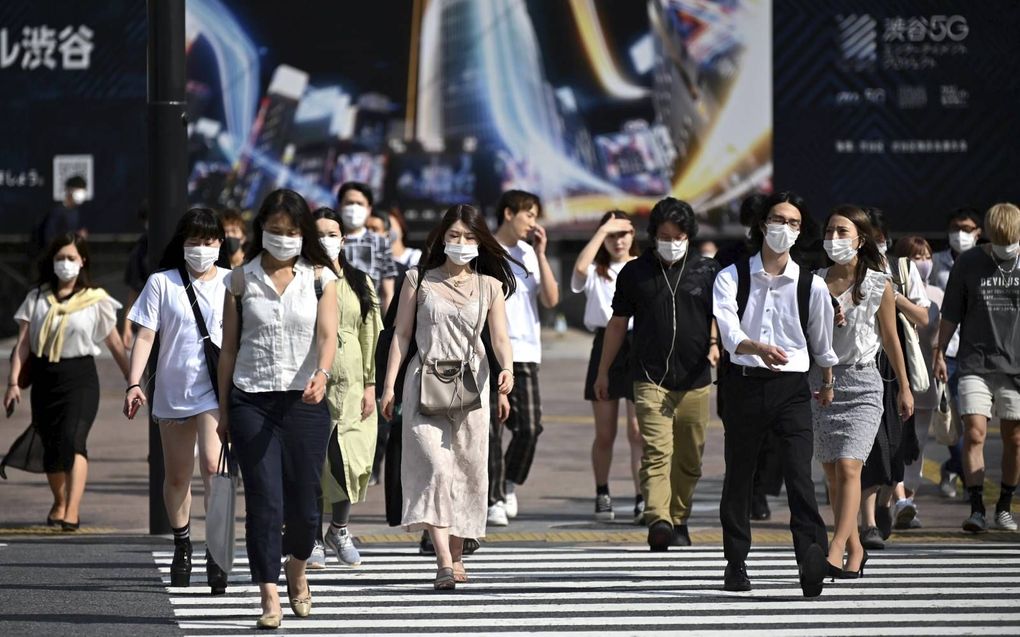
<point>461,253</point>
<point>1006,252</point>
<point>841,251</point>
<point>354,216</point>
<point>961,241</point>
<point>78,196</point>
<point>280,247</point>
<point>671,251</point>
<point>332,246</point>
<point>780,237</point>
<point>883,248</point>
<point>66,270</point>
<point>200,258</point>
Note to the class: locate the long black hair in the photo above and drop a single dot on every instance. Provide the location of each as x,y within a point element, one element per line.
<point>357,279</point>
<point>492,258</point>
<point>46,274</point>
<point>197,223</point>
<point>868,256</point>
<point>294,206</point>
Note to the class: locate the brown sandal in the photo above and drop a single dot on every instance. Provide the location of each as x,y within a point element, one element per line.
<point>459,573</point>
<point>445,581</point>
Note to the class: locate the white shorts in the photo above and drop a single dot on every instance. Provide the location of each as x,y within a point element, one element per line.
<point>979,394</point>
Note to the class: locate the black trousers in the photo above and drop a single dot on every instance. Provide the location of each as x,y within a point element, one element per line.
<point>280,445</point>
<point>751,408</point>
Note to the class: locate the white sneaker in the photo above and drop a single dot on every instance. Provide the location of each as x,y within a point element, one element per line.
<point>1004,520</point>
<point>317,560</point>
<point>341,543</point>
<point>497,515</point>
<point>903,512</point>
<point>511,505</point>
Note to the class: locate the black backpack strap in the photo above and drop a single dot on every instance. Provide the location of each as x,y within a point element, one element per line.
<point>743,285</point>
<point>318,283</point>
<point>804,298</point>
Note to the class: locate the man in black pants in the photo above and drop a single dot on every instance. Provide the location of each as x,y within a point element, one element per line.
<point>764,385</point>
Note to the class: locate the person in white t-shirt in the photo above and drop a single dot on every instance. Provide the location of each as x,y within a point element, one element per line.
<point>519,212</point>
<point>184,401</point>
<point>595,272</point>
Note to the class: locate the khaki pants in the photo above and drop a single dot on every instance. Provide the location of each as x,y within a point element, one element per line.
<point>672,426</point>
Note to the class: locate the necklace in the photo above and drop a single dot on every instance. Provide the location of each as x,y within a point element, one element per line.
<point>458,279</point>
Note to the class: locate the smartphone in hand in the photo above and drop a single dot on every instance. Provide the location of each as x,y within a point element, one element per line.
<point>133,408</point>
<point>10,409</point>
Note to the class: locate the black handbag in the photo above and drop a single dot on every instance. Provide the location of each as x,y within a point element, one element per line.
<point>212,350</point>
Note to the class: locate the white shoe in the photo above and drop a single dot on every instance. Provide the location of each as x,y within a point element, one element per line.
<point>1004,520</point>
<point>317,560</point>
<point>511,505</point>
<point>497,515</point>
<point>903,512</point>
<point>341,543</point>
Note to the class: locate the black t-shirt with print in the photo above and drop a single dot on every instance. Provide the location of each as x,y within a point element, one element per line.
<point>642,292</point>
<point>983,297</point>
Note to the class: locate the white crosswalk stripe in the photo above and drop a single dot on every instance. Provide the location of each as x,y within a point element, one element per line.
<point>528,590</point>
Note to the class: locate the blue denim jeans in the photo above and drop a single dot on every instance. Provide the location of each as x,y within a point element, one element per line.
<point>280,446</point>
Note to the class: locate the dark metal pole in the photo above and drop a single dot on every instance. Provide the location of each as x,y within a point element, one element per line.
<point>168,180</point>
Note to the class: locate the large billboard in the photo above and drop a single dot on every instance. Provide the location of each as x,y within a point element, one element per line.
<point>906,105</point>
<point>592,105</point>
<point>72,103</point>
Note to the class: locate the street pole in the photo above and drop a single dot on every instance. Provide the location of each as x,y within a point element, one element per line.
<point>168,182</point>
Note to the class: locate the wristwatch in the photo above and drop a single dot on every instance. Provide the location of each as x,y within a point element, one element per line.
<point>831,385</point>
<point>322,371</point>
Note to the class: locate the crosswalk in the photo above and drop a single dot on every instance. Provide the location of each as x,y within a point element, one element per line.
<point>527,590</point>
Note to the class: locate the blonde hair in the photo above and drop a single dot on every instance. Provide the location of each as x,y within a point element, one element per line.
<point>1002,224</point>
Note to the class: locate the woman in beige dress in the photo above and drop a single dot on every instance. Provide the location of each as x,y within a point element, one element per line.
<point>462,281</point>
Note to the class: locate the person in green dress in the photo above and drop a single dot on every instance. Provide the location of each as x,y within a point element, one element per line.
<point>350,395</point>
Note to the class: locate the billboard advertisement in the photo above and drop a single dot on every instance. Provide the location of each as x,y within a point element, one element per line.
<point>905,105</point>
<point>72,103</point>
<point>592,105</point>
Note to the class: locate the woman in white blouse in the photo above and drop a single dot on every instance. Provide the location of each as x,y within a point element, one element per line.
<point>184,398</point>
<point>595,273</point>
<point>61,324</point>
<point>845,429</point>
<point>279,339</point>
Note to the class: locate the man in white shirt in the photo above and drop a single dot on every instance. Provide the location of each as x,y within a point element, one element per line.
<point>764,387</point>
<point>519,212</point>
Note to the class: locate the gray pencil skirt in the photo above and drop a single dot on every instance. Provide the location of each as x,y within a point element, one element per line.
<point>847,427</point>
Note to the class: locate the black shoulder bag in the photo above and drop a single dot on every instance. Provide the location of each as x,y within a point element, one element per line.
<point>212,351</point>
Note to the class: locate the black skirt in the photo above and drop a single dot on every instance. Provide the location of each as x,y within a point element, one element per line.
<point>65,401</point>
<point>621,381</point>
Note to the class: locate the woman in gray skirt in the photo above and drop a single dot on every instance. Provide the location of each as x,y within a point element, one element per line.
<point>845,430</point>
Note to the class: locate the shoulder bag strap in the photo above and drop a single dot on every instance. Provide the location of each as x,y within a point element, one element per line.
<point>318,282</point>
<point>193,301</point>
<point>903,265</point>
<point>480,322</point>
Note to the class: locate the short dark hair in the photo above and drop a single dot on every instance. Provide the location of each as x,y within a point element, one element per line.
<point>361,187</point>
<point>675,211</point>
<point>233,217</point>
<point>75,182</point>
<point>966,212</point>
<point>197,223</point>
<point>516,201</point>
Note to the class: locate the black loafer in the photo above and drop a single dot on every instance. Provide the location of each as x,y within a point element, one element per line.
<point>660,535</point>
<point>736,580</point>
<point>812,571</point>
<point>760,510</point>
<point>681,536</point>
<point>471,545</point>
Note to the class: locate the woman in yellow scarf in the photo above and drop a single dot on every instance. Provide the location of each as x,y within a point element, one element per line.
<point>61,324</point>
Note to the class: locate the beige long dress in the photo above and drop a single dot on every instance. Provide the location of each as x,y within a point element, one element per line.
<point>444,467</point>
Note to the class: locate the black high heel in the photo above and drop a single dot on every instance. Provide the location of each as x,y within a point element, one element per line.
<point>53,521</point>
<point>833,572</point>
<point>215,576</point>
<point>859,573</point>
<point>69,527</point>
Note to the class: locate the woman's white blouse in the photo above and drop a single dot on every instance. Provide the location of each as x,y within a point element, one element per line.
<point>86,329</point>
<point>858,341</point>
<point>278,350</point>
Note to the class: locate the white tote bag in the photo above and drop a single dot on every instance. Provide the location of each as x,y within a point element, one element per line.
<point>917,370</point>
<point>219,520</point>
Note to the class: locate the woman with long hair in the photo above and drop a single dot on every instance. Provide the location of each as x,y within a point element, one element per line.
<point>184,400</point>
<point>918,250</point>
<point>461,282</point>
<point>595,271</point>
<point>350,394</point>
<point>61,324</point>
<point>845,430</point>
<point>279,341</point>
